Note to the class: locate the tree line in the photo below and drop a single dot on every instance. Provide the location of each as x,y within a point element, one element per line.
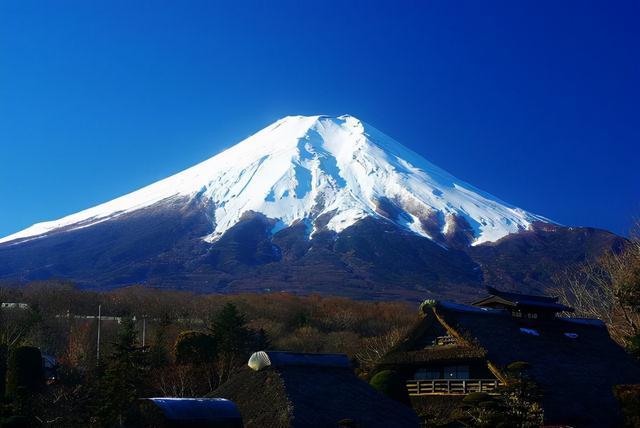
<point>162,343</point>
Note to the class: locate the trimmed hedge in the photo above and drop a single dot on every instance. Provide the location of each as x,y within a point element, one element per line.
<point>25,370</point>
<point>389,383</point>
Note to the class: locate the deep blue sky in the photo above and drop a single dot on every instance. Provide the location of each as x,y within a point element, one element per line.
<point>536,102</point>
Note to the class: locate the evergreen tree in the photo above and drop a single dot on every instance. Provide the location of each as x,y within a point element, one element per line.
<point>261,341</point>
<point>229,329</point>
<point>125,378</point>
<point>158,352</point>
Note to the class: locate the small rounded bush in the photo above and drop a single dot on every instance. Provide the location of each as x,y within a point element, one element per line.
<point>389,383</point>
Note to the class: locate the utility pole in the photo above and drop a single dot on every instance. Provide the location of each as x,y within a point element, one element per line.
<point>144,330</point>
<point>99,325</point>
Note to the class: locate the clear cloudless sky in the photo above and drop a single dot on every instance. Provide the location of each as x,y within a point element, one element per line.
<point>537,102</point>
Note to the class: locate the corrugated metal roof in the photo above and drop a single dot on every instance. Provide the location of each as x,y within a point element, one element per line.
<point>209,409</point>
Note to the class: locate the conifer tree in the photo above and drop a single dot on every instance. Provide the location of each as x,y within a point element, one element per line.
<point>229,329</point>
<point>125,378</point>
<point>158,352</point>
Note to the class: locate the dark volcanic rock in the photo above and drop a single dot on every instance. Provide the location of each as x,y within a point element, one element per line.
<point>162,246</point>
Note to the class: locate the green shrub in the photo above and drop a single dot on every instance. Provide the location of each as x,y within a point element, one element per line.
<point>629,398</point>
<point>25,370</point>
<point>389,383</point>
<point>517,367</point>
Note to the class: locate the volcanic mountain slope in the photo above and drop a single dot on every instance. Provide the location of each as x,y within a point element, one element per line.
<point>308,204</point>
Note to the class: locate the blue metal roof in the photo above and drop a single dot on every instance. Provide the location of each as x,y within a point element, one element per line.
<point>204,409</point>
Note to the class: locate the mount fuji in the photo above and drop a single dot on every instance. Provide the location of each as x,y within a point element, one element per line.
<point>308,204</point>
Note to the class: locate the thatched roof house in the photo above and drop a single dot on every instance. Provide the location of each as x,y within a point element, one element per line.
<point>284,389</point>
<point>457,349</point>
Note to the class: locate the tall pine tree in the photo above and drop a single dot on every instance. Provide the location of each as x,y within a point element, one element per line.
<point>126,377</point>
<point>229,329</point>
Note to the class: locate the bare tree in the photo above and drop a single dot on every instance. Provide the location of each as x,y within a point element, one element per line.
<point>374,348</point>
<point>607,289</point>
<point>16,324</point>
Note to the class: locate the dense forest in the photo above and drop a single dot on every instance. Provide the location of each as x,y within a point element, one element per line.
<point>162,343</point>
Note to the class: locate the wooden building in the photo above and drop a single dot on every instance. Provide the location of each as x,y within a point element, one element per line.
<point>454,350</point>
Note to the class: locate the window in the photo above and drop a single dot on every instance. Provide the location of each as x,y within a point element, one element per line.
<point>456,372</point>
<point>427,373</point>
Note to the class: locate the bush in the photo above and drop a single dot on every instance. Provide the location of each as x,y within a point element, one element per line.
<point>629,398</point>
<point>517,367</point>
<point>482,410</point>
<point>389,383</point>
<point>25,370</point>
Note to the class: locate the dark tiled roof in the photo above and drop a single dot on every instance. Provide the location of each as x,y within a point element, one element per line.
<point>521,297</point>
<point>523,300</point>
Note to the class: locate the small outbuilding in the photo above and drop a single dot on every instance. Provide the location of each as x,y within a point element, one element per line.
<point>188,413</point>
<point>287,389</point>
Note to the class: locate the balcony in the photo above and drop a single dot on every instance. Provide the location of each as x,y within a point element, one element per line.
<point>444,340</point>
<point>452,386</point>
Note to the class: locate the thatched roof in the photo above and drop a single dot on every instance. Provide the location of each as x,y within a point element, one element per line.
<point>290,394</point>
<point>414,351</point>
<point>575,362</point>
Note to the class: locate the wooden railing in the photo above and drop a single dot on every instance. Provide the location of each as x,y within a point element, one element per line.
<point>444,340</point>
<point>452,386</point>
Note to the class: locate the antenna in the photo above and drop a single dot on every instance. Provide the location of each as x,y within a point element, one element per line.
<point>144,330</point>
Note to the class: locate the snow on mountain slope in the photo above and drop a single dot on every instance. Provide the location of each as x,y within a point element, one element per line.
<point>300,168</point>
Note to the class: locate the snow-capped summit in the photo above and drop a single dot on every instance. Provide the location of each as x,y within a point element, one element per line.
<point>306,168</point>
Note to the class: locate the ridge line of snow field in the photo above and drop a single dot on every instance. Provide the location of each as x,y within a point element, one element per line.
<point>302,167</point>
